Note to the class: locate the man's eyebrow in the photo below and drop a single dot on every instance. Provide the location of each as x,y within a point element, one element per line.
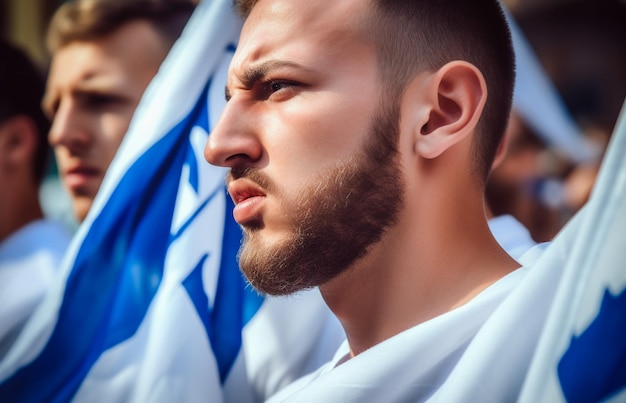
<point>257,72</point>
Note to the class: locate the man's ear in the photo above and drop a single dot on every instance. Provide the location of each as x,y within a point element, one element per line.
<point>454,97</point>
<point>18,141</point>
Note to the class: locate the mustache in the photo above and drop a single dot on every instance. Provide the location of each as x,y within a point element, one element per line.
<point>252,174</point>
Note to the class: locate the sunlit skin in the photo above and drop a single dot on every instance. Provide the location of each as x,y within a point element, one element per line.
<point>303,91</point>
<point>92,91</point>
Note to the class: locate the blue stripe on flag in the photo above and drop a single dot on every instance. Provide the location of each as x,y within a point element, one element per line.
<point>594,366</point>
<point>235,302</point>
<point>193,170</point>
<point>115,275</point>
<point>195,288</point>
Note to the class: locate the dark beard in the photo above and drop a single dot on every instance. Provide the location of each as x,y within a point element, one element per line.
<point>336,220</point>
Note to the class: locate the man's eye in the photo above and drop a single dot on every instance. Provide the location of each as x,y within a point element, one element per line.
<point>100,100</point>
<point>278,89</point>
<point>277,85</point>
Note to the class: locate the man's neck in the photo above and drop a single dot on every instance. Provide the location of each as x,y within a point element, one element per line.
<point>423,267</point>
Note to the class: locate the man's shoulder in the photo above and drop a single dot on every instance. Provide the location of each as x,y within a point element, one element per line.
<point>41,237</point>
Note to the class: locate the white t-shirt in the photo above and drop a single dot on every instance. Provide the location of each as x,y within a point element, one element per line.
<point>410,366</point>
<point>29,259</point>
<point>515,239</point>
<point>512,236</point>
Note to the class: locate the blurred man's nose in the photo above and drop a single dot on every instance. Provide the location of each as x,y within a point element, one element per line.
<point>68,129</point>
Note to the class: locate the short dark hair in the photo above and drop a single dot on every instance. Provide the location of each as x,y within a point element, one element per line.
<point>22,85</point>
<point>412,36</point>
<point>88,20</point>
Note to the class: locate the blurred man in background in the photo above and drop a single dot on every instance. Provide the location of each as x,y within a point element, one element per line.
<point>31,247</point>
<point>104,55</point>
<point>525,194</point>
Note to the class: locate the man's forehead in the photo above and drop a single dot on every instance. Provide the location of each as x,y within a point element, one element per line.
<point>289,25</point>
<point>84,62</point>
<point>306,15</point>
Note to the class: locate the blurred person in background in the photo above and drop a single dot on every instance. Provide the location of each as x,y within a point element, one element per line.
<point>511,234</point>
<point>104,55</point>
<point>515,184</point>
<point>535,187</point>
<point>527,193</point>
<point>31,246</point>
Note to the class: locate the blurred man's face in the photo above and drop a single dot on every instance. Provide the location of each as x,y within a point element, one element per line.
<point>92,91</point>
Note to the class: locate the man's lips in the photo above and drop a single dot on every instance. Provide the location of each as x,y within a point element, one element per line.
<point>80,176</point>
<point>248,198</point>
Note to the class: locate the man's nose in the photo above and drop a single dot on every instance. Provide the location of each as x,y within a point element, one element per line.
<point>234,140</point>
<point>68,129</point>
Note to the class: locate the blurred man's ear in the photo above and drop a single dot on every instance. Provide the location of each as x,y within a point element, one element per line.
<point>18,142</point>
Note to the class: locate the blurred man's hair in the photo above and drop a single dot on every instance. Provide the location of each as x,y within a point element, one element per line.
<point>22,87</point>
<point>89,20</point>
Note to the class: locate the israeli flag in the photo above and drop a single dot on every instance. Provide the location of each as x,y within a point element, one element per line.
<point>150,305</point>
<point>581,355</point>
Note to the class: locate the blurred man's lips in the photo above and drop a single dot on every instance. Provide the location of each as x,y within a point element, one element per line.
<point>80,176</point>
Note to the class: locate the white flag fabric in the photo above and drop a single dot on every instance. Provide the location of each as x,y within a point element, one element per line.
<point>150,305</point>
<point>552,331</point>
<point>581,356</point>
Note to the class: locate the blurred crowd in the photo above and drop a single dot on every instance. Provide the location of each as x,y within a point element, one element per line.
<point>580,45</point>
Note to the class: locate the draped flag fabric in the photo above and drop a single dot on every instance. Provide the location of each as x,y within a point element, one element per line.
<point>150,305</point>
<point>581,355</point>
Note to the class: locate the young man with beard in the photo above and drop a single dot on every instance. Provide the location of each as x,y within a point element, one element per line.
<point>360,136</point>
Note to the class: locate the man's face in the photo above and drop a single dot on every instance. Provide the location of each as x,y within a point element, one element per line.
<point>312,185</point>
<point>92,91</point>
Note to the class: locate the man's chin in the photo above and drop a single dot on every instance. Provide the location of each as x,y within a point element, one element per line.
<point>276,288</point>
<point>81,206</point>
<point>271,274</point>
